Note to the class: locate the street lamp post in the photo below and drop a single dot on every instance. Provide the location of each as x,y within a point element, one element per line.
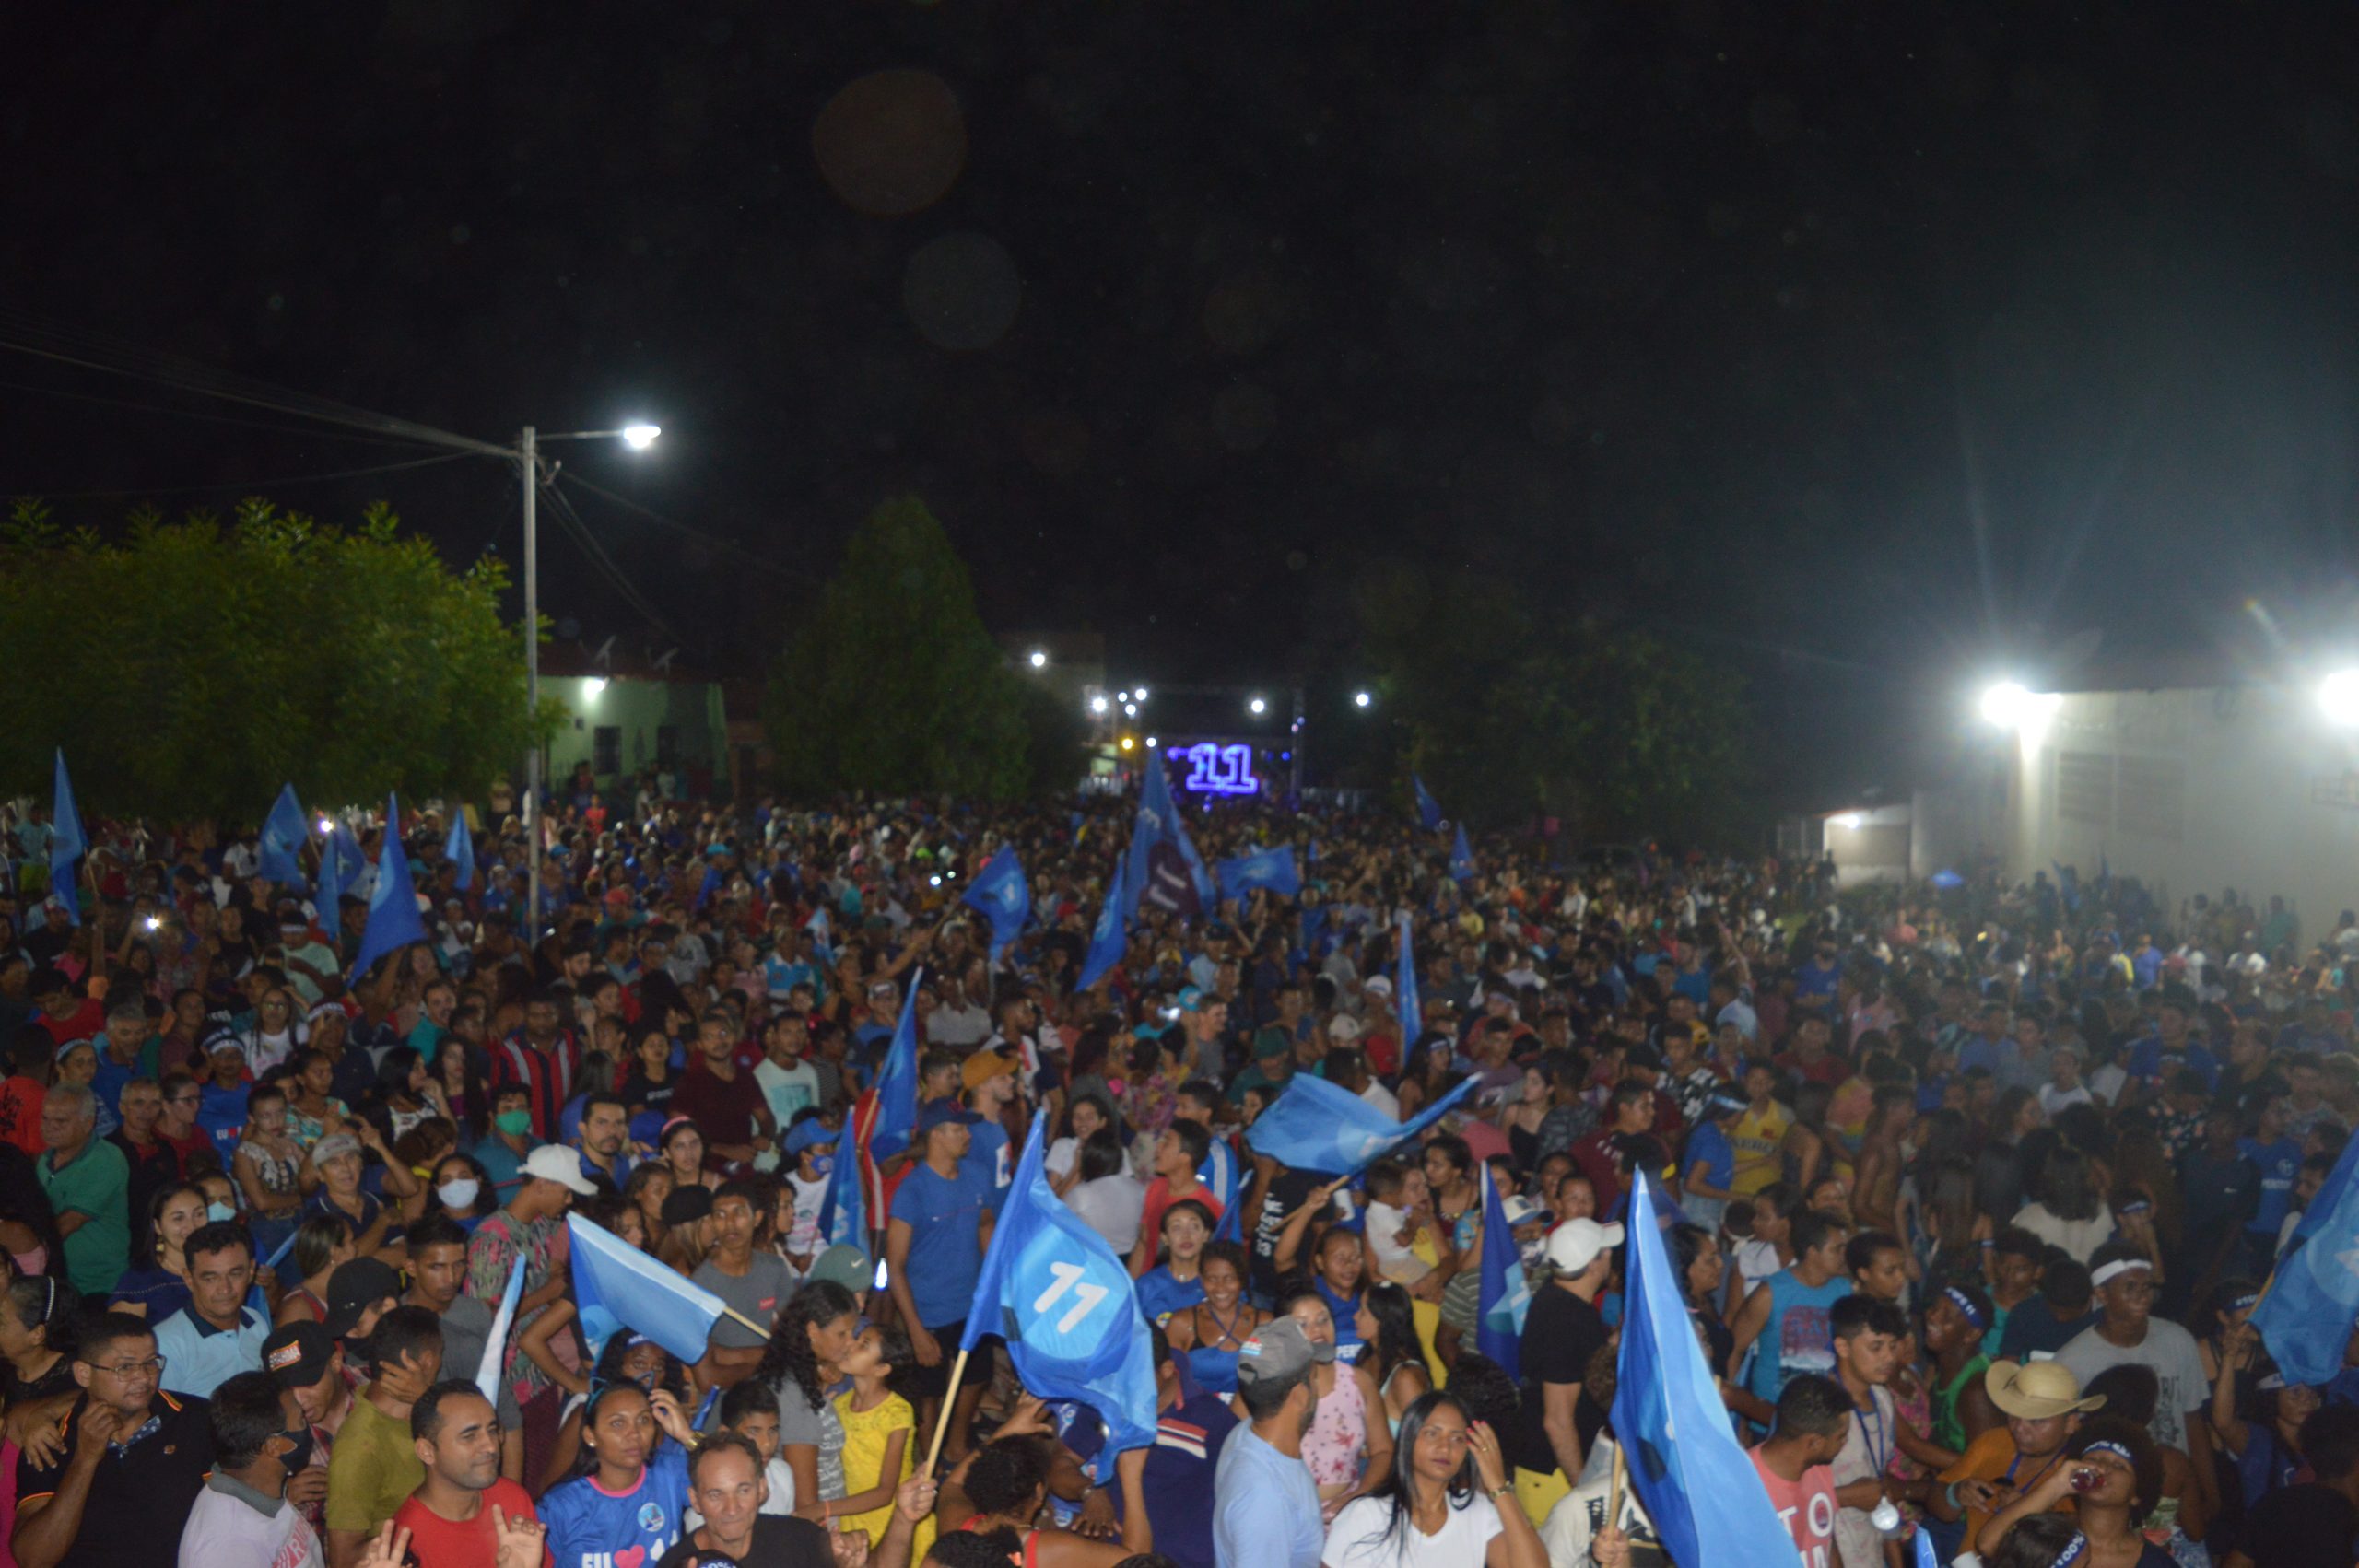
<point>639,437</point>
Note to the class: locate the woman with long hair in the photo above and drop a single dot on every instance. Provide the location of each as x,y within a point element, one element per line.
<point>1808,1146</point>
<point>1210,1332</point>
<point>1448,1499</point>
<point>311,1111</point>
<point>629,1359</point>
<point>1344,1447</point>
<point>687,1229</point>
<point>322,1243</point>
<point>1393,1356</point>
<point>156,1285</point>
<point>1175,1282</point>
<point>408,1091</point>
<point>813,1335</point>
<point>2111,1481</point>
<point>647,1189</point>
<point>462,1190</point>
<point>459,1069</point>
<point>2066,1209</point>
<point>1956,1235</point>
<point>682,1147</point>
<point>1999,1170</point>
<point>630,1490</point>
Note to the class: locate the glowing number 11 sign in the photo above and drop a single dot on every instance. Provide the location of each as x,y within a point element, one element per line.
<point>1216,769</point>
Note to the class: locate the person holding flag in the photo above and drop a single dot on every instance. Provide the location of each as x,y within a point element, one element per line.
<point>940,1226</point>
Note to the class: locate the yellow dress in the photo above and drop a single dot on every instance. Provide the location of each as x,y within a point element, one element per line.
<point>866,1435</point>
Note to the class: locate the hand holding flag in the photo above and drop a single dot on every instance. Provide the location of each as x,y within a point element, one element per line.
<point>1316,1126</point>
<point>1000,891</point>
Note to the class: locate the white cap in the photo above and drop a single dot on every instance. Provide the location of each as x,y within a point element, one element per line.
<point>1378,984</point>
<point>1575,1244</point>
<point>555,1162</point>
<point>1342,1029</point>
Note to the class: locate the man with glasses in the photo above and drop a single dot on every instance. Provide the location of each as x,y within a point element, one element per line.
<point>176,1129</point>
<point>130,1464</point>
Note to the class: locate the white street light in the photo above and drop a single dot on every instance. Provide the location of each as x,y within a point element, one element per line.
<point>1122,697</point>
<point>1152,742</point>
<point>592,686</point>
<point>1038,658</point>
<point>2339,698</point>
<point>326,826</point>
<point>1847,821</point>
<point>1257,707</point>
<point>2010,705</point>
<point>1130,708</point>
<point>1139,693</point>
<point>1097,703</point>
<point>639,437</point>
<point>1361,699</point>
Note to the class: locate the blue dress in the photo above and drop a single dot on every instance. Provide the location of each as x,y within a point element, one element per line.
<point>1215,1369</point>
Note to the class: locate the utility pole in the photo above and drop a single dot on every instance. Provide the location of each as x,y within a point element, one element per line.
<point>527,452</point>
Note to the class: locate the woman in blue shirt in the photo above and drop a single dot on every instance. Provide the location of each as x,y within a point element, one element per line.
<point>629,1494</point>
<point>1211,1333</point>
<point>1177,1282</point>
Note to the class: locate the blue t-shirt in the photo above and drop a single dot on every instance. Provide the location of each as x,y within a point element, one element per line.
<point>2279,1164</point>
<point>2150,1062</point>
<point>1709,1145</point>
<point>1266,1507</point>
<point>989,1157</point>
<point>943,1214</point>
<point>222,1114</point>
<point>505,1166</point>
<point>1160,1295</point>
<point>592,1528</point>
<point>1179,1468</point>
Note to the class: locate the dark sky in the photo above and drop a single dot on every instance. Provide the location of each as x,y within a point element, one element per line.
<point>1868,345</point>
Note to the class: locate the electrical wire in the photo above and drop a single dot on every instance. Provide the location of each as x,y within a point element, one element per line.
<point>561,508</point>
<point>725,546</point>
<point>254,485</point>
<point>306,432</point>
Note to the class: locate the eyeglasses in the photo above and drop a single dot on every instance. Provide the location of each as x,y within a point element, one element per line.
<point>131,1369</point>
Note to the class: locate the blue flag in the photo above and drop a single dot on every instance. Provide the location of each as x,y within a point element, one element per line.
<point>896,1081</point>
<point>1314,1126</point>
<point>1000,891</point>
<point>1699,1488</point>
<point>1067,1305</point>
<point>459,849</point>
<point>393,902</point>
<point>1926,1556</point>
<point>844,1212</point>
<point>618,1286</point>
<point>2312,1300</point>
<point>67,844</point>
<point>1407,1005</point>
<point>1273,869</point>
<point>823,938</point>
<point>1159,823</point>
<point>1429,809</point>
<point>1505,1294</point>
<point>495,1344</point>
<point>283,832</point>
<point>1462,858</point>
<point>1108,940</point>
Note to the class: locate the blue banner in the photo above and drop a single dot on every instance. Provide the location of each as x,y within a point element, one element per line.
<point>1699,1488</point>
<point>1107,940</point>
<point>1067,1305</point>
<point>1000,891</point>
<point>1273,869</point>
<point>844,1217</point>
<point>1461,857</point>
<point>1159,823</point>
<point>495,1344</point>
<point>1314,1126</point>
<point>896,1081</point>
<point>2312,1300</point>
<point>618,1286</point>
<point>1505,1294</point>
<point>393,902</point>
<point>1407,1006</point>
<point>459,849</point>
<point>66,843</point>
<point>1429,809</point>
<point>283,832</point>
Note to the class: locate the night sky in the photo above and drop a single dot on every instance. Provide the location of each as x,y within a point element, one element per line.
<point>1871,346</point>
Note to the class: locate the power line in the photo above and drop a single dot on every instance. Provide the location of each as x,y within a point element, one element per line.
<point>561,508</point>
<point>726,547</point>
<point>209,419</point>
<point>256,485</point>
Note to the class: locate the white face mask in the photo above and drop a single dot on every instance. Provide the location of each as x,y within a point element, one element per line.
<point>219,1212</point>
<point>459,1194</point>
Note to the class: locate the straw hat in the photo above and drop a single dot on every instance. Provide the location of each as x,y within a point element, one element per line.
<point>2036,1389</point>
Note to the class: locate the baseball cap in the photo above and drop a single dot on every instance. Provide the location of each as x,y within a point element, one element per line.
<point>844,1265</point>
<point>354,1287</point>
<point>1378,983</point>
<point>555,1162</point>
<point>1517,1209</point>
<point>297,1354</point>
<point>687,1205</point>
<point>1342,1029</point>
<point>1575,1244</point>
<point>1271,1044</point>
<point>806,1133</point>
<point>334,1146</point>
<point>2035,1391</point>
<point>944,1113</point>
<point>1278,1350</point>
<point>1192,998</point>
<point>984,1066</point>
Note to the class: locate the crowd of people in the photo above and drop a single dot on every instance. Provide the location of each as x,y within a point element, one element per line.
<point>1974,1189</point>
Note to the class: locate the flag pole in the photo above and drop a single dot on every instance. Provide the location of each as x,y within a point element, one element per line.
<point>1613,1491</point>
<point>942,1422</point>
<point>732,1313</point>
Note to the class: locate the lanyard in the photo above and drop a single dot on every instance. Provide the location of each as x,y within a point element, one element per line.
<point>1877,1438</point>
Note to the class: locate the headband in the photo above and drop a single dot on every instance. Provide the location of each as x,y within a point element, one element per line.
<point>2074,1550</point>
<point>2107,1446</point>
<point>1965,1303</point>
<point>2249,1299</point>
<point>2097,1277</point>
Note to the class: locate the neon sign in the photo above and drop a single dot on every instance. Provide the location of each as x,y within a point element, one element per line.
<point>1216,769</point>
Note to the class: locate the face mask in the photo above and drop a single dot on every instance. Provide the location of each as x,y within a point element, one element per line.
<point>459,1193</point>
<point>218,1211</point>
<point>822,1164</point>
<point>1531,1251</point>
<point>294,1458</point>
<point>516,1124</point>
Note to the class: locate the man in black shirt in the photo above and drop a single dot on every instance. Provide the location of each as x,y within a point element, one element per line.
<point>133,1460</point>
<point>2309,1526</point>
<point>1561,1334</point>
<point>725,1482</point>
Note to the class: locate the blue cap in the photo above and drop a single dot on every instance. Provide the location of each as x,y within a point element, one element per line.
<point>806,1133</point>
<point>1190,999</point>
<point>944,1113</point>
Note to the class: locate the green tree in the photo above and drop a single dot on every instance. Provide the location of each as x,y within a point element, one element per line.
<point>192,668</point>
<point>895,687</point>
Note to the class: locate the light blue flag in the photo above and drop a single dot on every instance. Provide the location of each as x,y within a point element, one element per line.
<point>617,1286</point>
<point>1000,891</point>
<point>1159,823</point>
<point>2312,1300</point>
<point>1699,1488</point>
<point>1067,1305</point>
<point>393,902</point>
<point>327,897</point>
<point>1407,1006</point>
<point>1315,1126</point>
<point>1106,941</point>
<point>896,1081</point>
<point>283,832</point>
<point>1219,1172</point>
<point>495,1344</point>
<point>1461,857</point>
<point>1429,809</point>
<point>1505,1294</point>
<point>459,849</point>
<point>1925,1554</point>
<point>67,844</point>
<point>1273,869</point>
<point>844,1212</point>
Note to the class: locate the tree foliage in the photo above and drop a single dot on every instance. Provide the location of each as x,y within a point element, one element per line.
<point>895,687</point>
<point>1509,713</point>
<point>193,668</point>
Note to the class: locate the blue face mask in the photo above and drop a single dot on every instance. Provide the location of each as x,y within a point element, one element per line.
<point>219,1212</point>
<point>822,1164</point>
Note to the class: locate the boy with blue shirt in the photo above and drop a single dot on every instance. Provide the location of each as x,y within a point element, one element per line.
<point>941,1219</point>
<point>2278,1157</point>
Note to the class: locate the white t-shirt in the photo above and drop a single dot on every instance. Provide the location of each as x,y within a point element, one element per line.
<point>2053,1100</point>
<point>225,1527</point>
<point>1113,1206</point>
<point>808,1197</point>
<point>1383,1099</point>
<point>787,1090</point>
<point>1394,1262</point>
<point>1360,1536</point>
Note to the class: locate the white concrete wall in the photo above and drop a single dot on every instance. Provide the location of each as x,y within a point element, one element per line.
<point>2193,791</point>
<point>1869,846</point>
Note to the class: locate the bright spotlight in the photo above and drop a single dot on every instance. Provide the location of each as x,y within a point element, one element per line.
<point>1847,821</point>
<point>1130,708</point>
<point>2010,706</point>
<point>1152,742</point>
<point>1361,699</point>
<point>2339,697</point>
<point>1257,707</point>
<point>592,686</point>
<point>326,826</point>
<point>1097,703</point>
<point>639,437</point>
<point>1039,658</point>
<point>1122,696</point>
<point>1128,743</point>
<point>1139,694</point>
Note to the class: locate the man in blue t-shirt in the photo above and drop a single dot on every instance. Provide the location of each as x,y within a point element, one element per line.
<point>2279,1160</point>
<point>941,1219</point>
<point>989,1078</point>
